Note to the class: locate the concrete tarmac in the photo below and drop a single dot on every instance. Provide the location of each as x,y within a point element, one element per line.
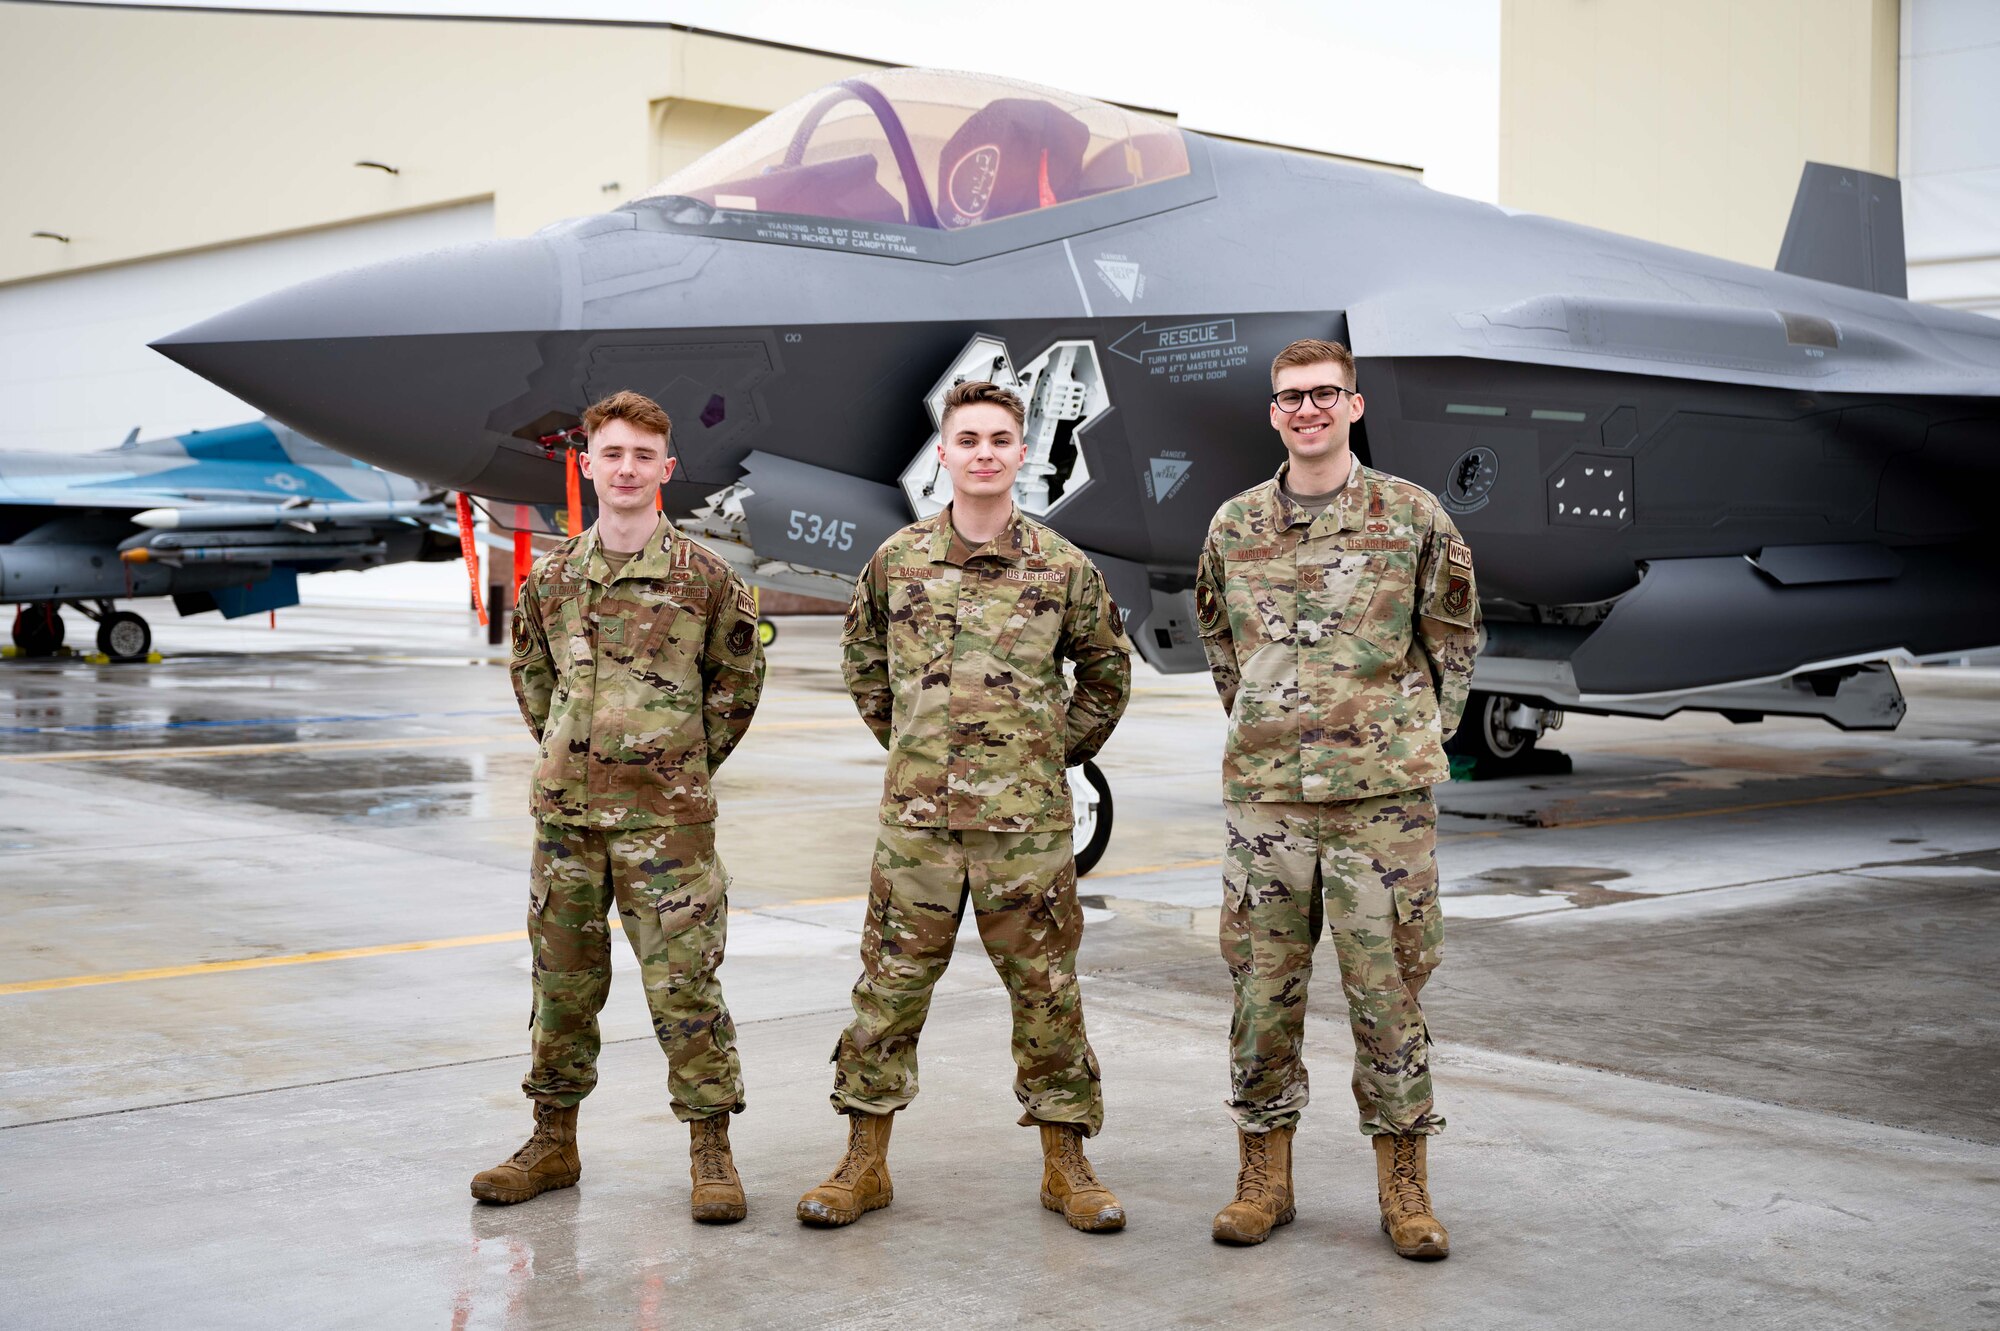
<point>1716,1037</point>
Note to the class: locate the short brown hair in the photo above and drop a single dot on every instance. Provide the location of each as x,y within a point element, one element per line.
<point>634,408</point>
<point>1312,351</point>
<point>978,390</point>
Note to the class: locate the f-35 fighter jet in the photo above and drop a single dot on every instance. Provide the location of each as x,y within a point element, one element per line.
<point>217,519</point>
<point>1687,482</point>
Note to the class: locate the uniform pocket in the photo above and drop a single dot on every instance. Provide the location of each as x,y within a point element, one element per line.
<point>1028,635</point>
<point>915,625</point>
<point>694,920</point>
<point>1260,600</point>
<point>1065,923</point>
<point>1334,594</point>
<point>1385,621</point>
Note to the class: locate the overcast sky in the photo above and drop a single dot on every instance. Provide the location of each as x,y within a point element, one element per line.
<point>1416,82</point>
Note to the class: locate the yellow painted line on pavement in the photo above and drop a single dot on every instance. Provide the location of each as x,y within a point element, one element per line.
<point>254,963</point>
<point>1157,868</point>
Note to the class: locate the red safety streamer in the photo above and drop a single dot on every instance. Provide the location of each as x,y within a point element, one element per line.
<point>470,546</point>
<point>524,548</point>
<point>573,485</point>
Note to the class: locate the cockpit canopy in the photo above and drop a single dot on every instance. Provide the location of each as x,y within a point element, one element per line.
<point>926,148</point>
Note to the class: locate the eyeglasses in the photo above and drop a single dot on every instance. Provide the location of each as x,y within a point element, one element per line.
<point>1289,400</point>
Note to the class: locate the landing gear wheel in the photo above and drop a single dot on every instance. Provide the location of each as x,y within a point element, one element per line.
<point>1484,734</point>
<point>124,636</point>
<point>1090,793</point>
<point>767,632</point>
<point>38,628</point>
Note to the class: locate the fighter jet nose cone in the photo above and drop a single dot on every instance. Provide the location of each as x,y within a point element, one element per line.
<point>491,286</point>
<point>398,363</point>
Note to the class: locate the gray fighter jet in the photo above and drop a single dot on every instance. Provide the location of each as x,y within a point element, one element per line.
<point>220,520</point>
<point>1687,482</point>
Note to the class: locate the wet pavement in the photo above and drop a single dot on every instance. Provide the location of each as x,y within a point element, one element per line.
<point>1716,1031</point>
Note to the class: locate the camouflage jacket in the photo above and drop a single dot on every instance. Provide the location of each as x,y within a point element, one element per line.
<point>638,686</point>
<point>1342,645</point>
<point>954,657</point>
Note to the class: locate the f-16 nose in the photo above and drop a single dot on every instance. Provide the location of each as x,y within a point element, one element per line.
<point>398,363</point>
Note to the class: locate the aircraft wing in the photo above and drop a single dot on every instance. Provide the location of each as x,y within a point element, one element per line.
<point>1824,345</point>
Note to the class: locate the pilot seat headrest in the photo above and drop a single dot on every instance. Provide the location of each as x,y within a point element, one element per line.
<point>1014,154</point>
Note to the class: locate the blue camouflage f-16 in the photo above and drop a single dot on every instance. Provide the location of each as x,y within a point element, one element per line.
<point>221,519</point>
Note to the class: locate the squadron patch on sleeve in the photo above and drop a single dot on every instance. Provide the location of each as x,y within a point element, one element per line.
<point>741,634</point>
<point>1208,608</point>
<point>1457,598</point>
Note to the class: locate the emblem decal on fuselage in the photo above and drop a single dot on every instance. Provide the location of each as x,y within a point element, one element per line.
<point>1469,483</point>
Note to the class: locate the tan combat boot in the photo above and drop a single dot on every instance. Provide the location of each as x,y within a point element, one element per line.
<point>548,1160</point>
<point>1071,1187</point>
<point>718,1192</point>
<point>1263,1188</point>
<point>1403,1189</point>
<point>861,1183</point>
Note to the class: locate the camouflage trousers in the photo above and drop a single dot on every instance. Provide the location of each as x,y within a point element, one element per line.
<point>672,897</point>
<point>1022,886</point>
<point>1368,870</point>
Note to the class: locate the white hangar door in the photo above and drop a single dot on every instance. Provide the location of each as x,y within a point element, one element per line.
<point>75,371</point>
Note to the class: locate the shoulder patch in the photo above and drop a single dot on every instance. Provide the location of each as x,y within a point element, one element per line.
<point>1208,609</point>
<point>742,634</point>
<point>746,601</point>
<point>1458,552</point>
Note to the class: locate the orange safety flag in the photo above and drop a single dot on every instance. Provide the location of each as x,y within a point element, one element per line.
<point>573,487</point>
<point>470,546</point>
<point>524,548</point>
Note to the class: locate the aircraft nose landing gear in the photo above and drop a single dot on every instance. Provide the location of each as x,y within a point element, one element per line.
<point>1498,735</point>
<point>1090,793</point>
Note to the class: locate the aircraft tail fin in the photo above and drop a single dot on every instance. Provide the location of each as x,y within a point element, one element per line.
<point>1847,227</point>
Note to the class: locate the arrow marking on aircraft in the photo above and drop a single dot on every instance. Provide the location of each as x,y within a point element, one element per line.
<point>1146,340</point>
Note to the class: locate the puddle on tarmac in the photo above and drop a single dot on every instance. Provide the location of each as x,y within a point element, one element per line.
<point>1583,885</point>
<point>387,789</point>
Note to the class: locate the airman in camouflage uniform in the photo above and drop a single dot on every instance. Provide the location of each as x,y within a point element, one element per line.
<point>638,675</point>
<point>1341,638</point>
<point>954,654</point>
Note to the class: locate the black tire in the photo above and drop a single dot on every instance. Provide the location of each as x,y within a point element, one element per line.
<point>38,628</point>
<point>124,636</point>
<point>767,632</point>
<point>1098,835</point>
<point>1482,735</point>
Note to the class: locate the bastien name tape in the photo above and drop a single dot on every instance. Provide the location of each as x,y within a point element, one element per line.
<point>1044,575</point>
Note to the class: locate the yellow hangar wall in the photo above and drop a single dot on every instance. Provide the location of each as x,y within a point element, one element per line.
<point>139,132</point>
<point>1688,123</point>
